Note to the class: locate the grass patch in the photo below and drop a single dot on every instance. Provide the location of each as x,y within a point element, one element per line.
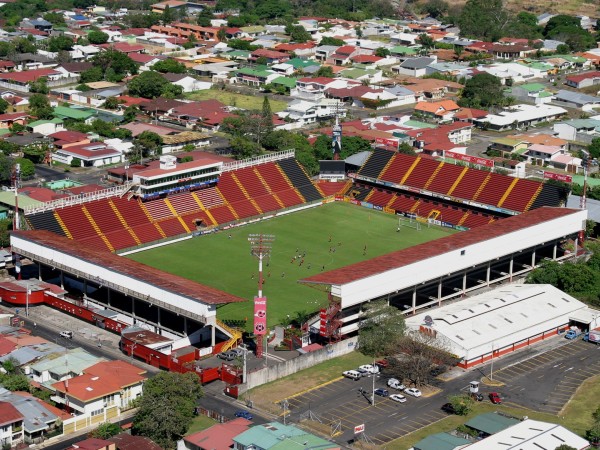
<point>267,395</point>
<point>237,100</point>
<point>226,264</point>
<point>577,415</point>
<point>200,422</point>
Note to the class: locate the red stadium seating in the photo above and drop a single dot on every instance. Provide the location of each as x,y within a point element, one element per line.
<point>273,177</point>
<point>222,214</point>
<point>445,178</point>
<point>290,197</point>
<point>184,203</point>
<point>104,216</point>
<point>421,173</point>
<point>253,185</point>
<point>131,211</point>
<point>469,184</point>
<point>229,188</point>
<point>397,168</point>
<point>209,197</point>
<point>147,232</point>
<point>380,198</point>
<point>244,209</point>
<point>495,189</point>
<point>172,227</point>
<point>158,209</point>
<point>76,222</point>
<point>267,203</point>
<point>521,195</point>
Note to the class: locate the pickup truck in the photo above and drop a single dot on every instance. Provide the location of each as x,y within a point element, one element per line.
<point>573,333</point>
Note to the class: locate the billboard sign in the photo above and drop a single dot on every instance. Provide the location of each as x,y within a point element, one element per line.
<point>387,142</point>
<point>470,159</point>
<point>260,315</point>
<point>359,428</point>
<point>558,177</point>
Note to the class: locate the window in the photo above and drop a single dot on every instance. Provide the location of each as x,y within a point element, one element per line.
<point>97,412</point>
<point>463,252</point>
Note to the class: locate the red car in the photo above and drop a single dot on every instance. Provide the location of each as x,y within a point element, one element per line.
<point>382,363</point>
<point>495,398</point>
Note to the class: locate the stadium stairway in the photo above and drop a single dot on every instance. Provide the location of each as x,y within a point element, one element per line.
<point>300,179</point>
<point>375,164</point>
<point>235,335</point>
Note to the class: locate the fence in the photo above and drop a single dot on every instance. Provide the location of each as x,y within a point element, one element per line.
<point>283,369</point>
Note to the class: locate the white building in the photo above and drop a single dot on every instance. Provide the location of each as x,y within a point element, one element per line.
<point>531,435</point>
<point>572,130</point>
<point>498,322</point>
<point>95,154</point>
<point>307,111</point>
<point>520,116</point>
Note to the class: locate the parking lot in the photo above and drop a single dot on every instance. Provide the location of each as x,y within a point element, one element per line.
<point>541,378</point>
<point>547,381</point>
<point>341,406</point>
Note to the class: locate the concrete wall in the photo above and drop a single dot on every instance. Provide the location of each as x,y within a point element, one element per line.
<point>283,369</point>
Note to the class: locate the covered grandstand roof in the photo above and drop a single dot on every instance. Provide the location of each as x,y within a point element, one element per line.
<point>155,277</point>
<point>431,249</point>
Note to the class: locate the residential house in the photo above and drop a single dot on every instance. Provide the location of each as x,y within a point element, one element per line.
<point>219,436</point>
<point>37,24</point>
<point>435,141</point>
<point>96,154</point>
<point>301,50</point>
<point>578,100</point>
<point>272,56</point>
<point>9,119</point>
<point>144,60</point>
<point>38,417</point>
<point>404,39</point>
<point>447,68</point>
<point>19,81</point>
<point>126,441</point>
<point>521,116</point>
<point>311,111</point>
<point>73,69</point>
<point>509,145</point>
<point>283,69</point>
<point>255,76</point>
<point>430,88</point>
<point>79,114</point>
<point>415,67</point>
<point>402,51</point>
<point>442,110</point>
<point>275,435</point>
<point>532,92</point>
<point>103,390</point>
<point>468,114</point>
<point>580,130</point>
<point>28,139</point>
<point>188,83</point>
<point>511,51</point>
<point>343,55</point>
<point>176,142</point>
<point>583,80</point>
<point>174,5</point>
<point>46,127</point>
<point>55,368</point>
<point>33,61</point>
<point>11,425</point>
<point>93,444</point>
<point>315,88</point>
<point>323,52</point>
<point>542,154</point>
<point>542,139</point>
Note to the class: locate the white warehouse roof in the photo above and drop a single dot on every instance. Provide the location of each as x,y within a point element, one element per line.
<point>523,113</point>
<point>531,435</point>
<point>499,318</point>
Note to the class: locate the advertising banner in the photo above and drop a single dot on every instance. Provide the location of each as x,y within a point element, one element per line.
<point>470,159</point>
<point>558,177</point>
<point>260,315</point>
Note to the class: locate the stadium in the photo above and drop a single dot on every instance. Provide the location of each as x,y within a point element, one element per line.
<point>413,230</point>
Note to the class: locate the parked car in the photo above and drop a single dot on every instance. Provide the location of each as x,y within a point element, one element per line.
<point>495,398</point>
<point>447,407</point>
<point>363,372</point>
<point>369,368</point>
<point>413,391</point>
<point>395,384</point>
<point>382,392</point>
<point>238,351</point>
<point>66,334</point>
<point>382,363</point>
<point>244,414</point>
<point>398,398</point>
<point>352,374</point>
<point>227,356</point>
<point>477,397</point>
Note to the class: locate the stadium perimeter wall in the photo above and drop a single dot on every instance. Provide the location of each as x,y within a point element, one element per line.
<point>276,371</point>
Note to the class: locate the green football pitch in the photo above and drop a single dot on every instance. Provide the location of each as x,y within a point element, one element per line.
<point>322,238</point>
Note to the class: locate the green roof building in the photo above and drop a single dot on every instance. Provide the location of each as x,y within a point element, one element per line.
<point>402,50</point>
<point>64,112</point>
<point>36,123</point>
<point>300,64</point>
<point>289,83</point>
<point>491,423</point>
<point>441,441</point>
<point>276,436</point>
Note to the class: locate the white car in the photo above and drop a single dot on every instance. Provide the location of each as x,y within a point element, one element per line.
<point>352,374</point>
<point>398,398</point>
<point>369,368</point>
<point>395,384</point>
<point>413,391</point>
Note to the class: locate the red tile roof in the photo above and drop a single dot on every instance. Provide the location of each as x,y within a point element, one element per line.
<point>126,441</point>
<point>6,346</point>
<point>269,54</point>
<point>364,59</point>
<point>220,435</point>
<point>69,136</point>
<point>9,414</point>
<point>411,255</point>
<point>41,194</point>
<point>13,116</point>
<point>91,444</point>
<point>169,282</point>
<point>584,76</point>
<point>27,75</point>
<point>345,50</point>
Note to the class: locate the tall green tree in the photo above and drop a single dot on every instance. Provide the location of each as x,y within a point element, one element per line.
<point>166,408</point>
<point>106,430</point>
<point>39,106</point>
<point>483,90</point>
<point>97,37</point>
<point>267,116</point>
<point>169,66</point>
<point>380,329</point>
<point>148,84</point>
<point>484,19</point>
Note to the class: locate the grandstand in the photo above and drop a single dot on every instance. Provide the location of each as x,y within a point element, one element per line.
<point>175,200</point>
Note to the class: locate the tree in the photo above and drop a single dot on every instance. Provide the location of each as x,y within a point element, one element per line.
<point>592,434</point>
<point>596,415</point>
<point>171,90</point>
<point>462,404</point>
<point>75,162</point>
<point>39,86</point>
<point>148,84</point>
<point>3,106</point>
<point>350,146</point>
<point>14,379</point>
<point>458,51</point>
<point>324,71</point>
<point>382,52</point>
<point>358,31</point>
<point>105,430</point>
<point>168,16</point>
<point>27,167</point>
<point>243,148</point>
<point>39,106</point>
<point>150,143</point>
<point>24,45</point>
<point>6,165</point>
<point>58,43</point>
<point>222,34</point>
<point>326,40</point>
<point>565,447</point>
<point>436,8</point>
<point>267,116</point>
<point>204,17</point>
<point>111,103</point>
<point>406,148</point>
<point>169,66</point>
<point>97,37</point>
<point>483,19</point>
<point>568,29</point>
<point>5,226</point>
<point>166,408</point>
<point>54,18</point>
<point>380,329</point>
<point>297,33</point>
<point>112,65</point>
<point>426,41</point>
<point>482,90</point>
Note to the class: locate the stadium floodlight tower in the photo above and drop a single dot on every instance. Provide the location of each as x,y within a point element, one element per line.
<point>260,245</point>
<point>16,182</point>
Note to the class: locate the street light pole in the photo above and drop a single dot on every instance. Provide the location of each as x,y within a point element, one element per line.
<point>27,291</point>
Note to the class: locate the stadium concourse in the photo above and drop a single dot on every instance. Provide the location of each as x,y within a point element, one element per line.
<point>428,274</point>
